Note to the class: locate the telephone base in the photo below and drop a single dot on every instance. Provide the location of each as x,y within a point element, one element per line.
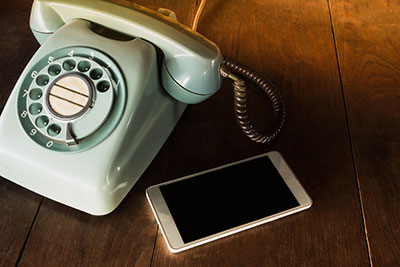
<point>135,118</point>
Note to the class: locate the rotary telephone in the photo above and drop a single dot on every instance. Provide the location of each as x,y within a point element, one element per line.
<point>92,108</point>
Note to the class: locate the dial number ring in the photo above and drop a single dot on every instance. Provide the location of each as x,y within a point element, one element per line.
<point>64,79</point>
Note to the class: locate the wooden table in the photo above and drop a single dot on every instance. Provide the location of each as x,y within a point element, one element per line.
<point>337,64</point>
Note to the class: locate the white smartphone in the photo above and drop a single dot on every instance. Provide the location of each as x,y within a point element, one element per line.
<point>215,203</point>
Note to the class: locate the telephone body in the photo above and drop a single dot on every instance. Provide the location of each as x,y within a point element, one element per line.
<point>90,112</point>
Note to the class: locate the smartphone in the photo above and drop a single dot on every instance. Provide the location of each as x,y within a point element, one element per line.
<point>215,203</point>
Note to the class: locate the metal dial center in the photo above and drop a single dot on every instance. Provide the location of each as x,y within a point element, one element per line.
<point>69,96</point>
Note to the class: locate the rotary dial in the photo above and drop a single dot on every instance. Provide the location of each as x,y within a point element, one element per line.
<point>72,99</point>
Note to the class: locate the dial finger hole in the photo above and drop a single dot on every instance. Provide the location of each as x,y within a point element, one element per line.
<point>69,64</point>
<point>35,94</point>
<point>35,108</point>
<point>42,80</point>
<point>96,74</point>
<point>54,69</point>
<point>54,130</point>
<point>103,86</point>
<point>42,121</point>
<point>84,66</point>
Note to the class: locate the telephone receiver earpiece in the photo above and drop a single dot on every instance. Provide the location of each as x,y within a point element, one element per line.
<point>190,70</point>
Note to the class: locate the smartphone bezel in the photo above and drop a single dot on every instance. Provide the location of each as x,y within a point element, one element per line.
<point>170,231</point>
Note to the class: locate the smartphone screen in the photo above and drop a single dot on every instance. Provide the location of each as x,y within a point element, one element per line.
<point>224,198</point>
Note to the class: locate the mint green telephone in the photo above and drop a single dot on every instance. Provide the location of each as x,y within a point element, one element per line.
<point>92,107</point>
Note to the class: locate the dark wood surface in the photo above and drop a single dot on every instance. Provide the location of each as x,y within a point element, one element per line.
<point>337,64</point>
<point>368,42</point>
<point>18,206</point>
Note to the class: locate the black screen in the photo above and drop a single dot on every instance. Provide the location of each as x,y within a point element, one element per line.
<point>216,201</point>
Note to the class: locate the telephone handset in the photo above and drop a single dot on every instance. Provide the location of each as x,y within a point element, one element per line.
<point>190,60</point>
<point>89,114</point>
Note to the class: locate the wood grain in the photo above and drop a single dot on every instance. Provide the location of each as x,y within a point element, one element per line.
<point>125,237</point>
<point>291,43</point>
<point>368,41</point>
<point>18,206</point>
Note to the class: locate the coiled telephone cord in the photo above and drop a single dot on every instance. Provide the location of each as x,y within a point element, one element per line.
<point>240,95</point>
<point>240,100</point>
